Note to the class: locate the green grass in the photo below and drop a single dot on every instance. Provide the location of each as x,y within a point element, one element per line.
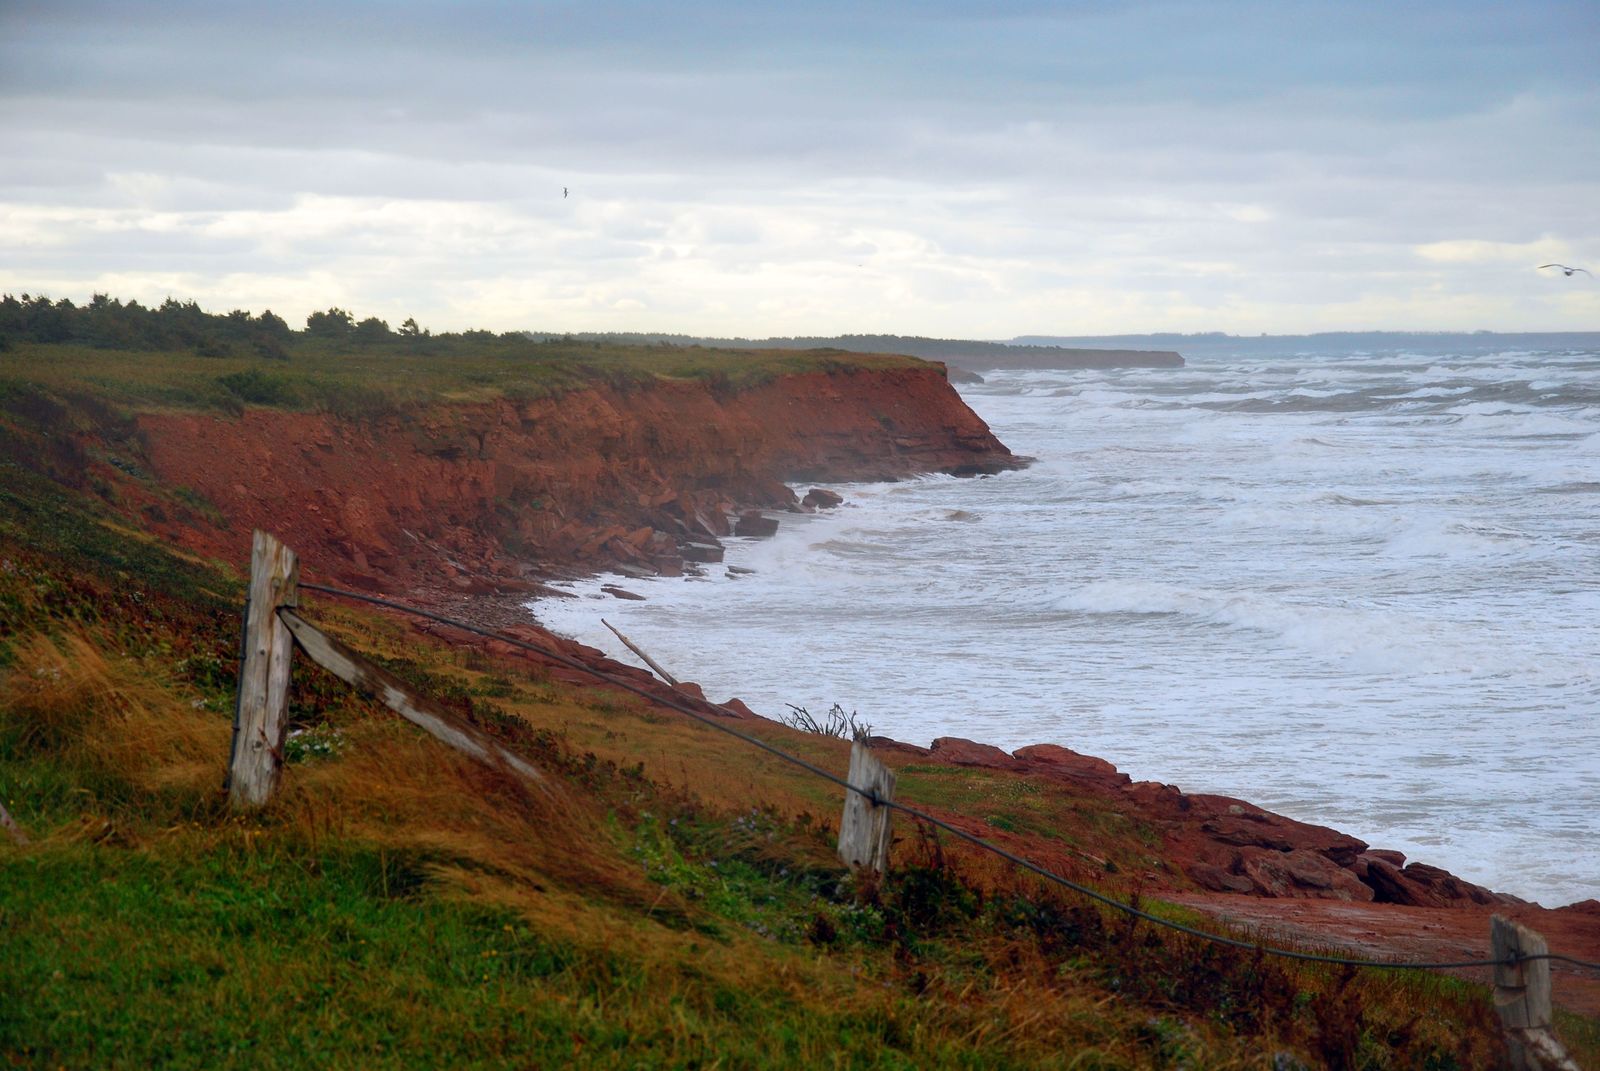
<point>363,382</point>
<point>397,910</point>
<point>342,958</point>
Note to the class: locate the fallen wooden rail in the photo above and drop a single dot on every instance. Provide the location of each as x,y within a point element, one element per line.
<point>651,662</point>
<point>424,713</point>
<point>271,632</point>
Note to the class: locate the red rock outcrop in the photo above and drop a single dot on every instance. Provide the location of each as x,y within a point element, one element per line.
<point>483,496</point>
<point>960,752</point>
<point>1053,760</point>
<point>1226,845</point>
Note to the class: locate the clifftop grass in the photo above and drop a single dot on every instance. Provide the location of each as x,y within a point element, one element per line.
<point>365,380</point>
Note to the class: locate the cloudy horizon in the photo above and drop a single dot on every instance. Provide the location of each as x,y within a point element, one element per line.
<point>1081,168</point>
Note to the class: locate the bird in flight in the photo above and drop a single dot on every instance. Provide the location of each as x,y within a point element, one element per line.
<point>564,193</point>
<point>1566,270</point>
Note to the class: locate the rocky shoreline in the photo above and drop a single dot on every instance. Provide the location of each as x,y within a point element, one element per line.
<point>470,509</point>
<point>1249,868</point>
<point>1228,845</point>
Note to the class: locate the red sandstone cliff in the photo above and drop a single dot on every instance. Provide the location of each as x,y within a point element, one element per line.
<point>480,495</point>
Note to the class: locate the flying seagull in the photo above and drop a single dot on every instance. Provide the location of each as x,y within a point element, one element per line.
<point>564,193</point>
<point>1568,271</point>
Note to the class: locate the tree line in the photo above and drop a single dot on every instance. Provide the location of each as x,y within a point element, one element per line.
<point>107,323</point>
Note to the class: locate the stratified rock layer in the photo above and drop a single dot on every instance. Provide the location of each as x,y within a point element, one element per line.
<point>485,495</point>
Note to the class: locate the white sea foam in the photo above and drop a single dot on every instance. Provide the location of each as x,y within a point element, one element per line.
<point>1364,591</point>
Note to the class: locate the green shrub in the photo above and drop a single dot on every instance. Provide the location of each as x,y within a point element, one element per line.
<point>257,387</point>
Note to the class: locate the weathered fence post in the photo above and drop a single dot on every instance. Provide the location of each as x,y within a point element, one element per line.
<point>259,720</point>
<point>1522,998</point>
<point>864,829</point>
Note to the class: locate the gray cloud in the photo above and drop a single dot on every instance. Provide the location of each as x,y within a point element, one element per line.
<point>1100,166</point>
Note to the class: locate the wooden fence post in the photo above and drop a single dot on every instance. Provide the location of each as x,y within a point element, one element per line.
<point>864,829</point>
<point>261,716</point>
<point>1522,998</point>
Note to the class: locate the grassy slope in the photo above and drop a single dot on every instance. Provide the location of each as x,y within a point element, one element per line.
<point>362,381</point>
<point>678,906</point>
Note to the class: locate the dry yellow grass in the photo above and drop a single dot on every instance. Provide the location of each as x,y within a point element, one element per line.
<point>65,695</point>
<point>645,960</point>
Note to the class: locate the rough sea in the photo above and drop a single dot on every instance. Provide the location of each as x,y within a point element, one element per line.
<point>1359,589</point>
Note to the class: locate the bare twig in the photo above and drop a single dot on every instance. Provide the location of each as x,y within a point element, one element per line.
<point>838,724</point>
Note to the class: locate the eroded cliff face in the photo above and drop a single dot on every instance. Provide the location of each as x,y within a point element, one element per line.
<point>485,496</point>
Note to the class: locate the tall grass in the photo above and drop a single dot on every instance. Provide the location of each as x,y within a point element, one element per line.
<point>402,906</point>
<point>119,733</point>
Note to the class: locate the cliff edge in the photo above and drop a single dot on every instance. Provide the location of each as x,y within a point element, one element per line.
<point>489,497</point>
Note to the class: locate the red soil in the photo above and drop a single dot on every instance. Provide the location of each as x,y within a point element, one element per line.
<point>1394,931</point>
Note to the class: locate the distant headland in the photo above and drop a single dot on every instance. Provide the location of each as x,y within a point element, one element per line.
<point>1218,343</point>
<point>968,354</point>
<point>1162,350</point>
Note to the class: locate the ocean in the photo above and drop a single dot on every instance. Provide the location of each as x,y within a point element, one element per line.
<point>1359,589</point>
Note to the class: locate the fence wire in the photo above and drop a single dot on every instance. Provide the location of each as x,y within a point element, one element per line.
<point>923,816</point>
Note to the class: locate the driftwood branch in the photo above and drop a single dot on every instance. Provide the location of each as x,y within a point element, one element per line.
<point>394,693</point>
<point>651,662</point>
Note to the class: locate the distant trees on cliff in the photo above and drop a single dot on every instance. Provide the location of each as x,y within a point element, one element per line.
<point>107,323</point>
<point>333,324</point>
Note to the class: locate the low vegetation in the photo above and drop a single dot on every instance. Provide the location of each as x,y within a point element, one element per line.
<point>835,723</point>
<point>679,904</point>
<point>177,356</point>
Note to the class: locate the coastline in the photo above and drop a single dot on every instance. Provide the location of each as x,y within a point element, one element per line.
<point>1214,842</point>
<point>1223,856</point>
<point>499,500</point>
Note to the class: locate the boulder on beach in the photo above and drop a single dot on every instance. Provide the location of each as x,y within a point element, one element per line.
<point>755,523</point>
<point>701,552</point>
<point>819,498</point>
<point>961,752</point>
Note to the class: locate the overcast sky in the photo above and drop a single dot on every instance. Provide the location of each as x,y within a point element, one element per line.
<point>959,170</point>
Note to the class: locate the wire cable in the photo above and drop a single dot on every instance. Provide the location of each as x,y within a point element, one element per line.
<point>923,816</point>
